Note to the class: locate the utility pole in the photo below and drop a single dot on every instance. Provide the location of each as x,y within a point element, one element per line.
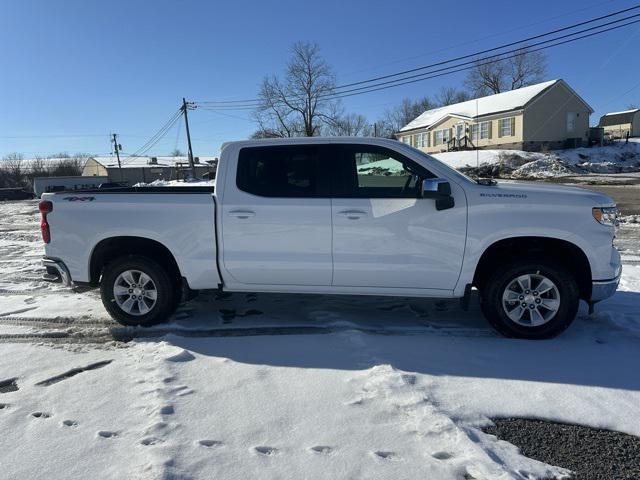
<point>375,129</point>
<point>117,147</point>
<point>189,151</point>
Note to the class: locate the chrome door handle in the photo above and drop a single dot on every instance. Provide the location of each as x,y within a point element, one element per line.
<point>352,214</point>
<point>242,213</point>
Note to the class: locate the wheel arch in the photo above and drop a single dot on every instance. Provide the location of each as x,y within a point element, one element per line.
<point>109,249</point>
<point>562,251</point>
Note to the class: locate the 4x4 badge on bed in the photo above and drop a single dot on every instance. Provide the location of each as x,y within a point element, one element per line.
<point>79,199</point>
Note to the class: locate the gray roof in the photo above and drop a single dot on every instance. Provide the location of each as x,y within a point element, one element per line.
<point>617,118</point>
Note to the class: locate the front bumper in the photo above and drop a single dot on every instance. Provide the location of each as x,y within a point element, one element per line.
<point>56,271</point>
<point>601,289</point>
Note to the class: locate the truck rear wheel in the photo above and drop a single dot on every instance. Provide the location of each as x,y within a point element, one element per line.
<point>136,290</point>
<point>531,299</point>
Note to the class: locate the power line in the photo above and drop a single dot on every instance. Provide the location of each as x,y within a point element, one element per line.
<point>507,45</point>
<point>156,137</point>
<point>473,63</point>
<point>253,103</point>
<point>461,66</point>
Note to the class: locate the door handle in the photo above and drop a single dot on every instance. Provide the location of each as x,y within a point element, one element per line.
<point>353,214</point>
<point>242,213</point>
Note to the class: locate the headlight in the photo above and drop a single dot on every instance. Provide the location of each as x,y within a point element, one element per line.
<point>606,215</point>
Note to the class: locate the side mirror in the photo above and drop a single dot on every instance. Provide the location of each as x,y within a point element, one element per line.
<point>440,190</point>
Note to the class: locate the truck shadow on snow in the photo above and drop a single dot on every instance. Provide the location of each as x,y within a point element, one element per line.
<point>415,335</point>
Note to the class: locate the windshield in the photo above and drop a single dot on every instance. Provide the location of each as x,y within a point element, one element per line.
<point>450,171</point>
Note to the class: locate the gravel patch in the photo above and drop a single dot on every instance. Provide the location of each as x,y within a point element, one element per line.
<point>591,453</point>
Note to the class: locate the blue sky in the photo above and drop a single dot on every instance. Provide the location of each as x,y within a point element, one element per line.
<point>85,68</point>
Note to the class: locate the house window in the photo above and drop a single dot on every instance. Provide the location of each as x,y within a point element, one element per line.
<point>475,131</point>
<point>485,130</point>
<point>420,140</point>
<point>480,131</point>
<point>507,127</point>
<point>571,121</point>
<point>406,139</point>
<point>442,136</point>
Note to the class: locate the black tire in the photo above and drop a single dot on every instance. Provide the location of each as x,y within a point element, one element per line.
<point>167,296</point>
<point>491,298</point>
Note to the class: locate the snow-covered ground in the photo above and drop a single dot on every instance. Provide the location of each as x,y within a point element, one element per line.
<point>615,158</point>
<point>274,386</point>
<point>176,183</point>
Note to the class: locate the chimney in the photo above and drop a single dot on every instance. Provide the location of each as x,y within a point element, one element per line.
<point>153,161</point>
<point>196,159</point>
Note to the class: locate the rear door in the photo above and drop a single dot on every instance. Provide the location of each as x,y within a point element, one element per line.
<point>276,224</point>
<point>384,236</point>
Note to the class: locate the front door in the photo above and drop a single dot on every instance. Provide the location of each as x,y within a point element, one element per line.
<point>460,131</point>
<point>276,224</point>
<point>384,236</point>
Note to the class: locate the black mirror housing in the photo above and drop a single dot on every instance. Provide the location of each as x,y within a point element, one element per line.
<point>440,190</point>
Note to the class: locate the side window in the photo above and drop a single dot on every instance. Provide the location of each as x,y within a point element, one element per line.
<point>377,172</point>
<point>282,171</point>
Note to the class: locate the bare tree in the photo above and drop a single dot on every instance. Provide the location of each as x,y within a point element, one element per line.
<point>451,95</point>
<point>67,167</point>
<point>397,117</point>
<point>350,125</point>
<point>500,75</point>
<point>297,104</point>
<point>38,168</point>
<point>632,106</point>
<point>176,153</point>
<point>13,170</point>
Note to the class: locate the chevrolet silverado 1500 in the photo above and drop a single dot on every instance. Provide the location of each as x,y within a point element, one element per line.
<point>363,216</point>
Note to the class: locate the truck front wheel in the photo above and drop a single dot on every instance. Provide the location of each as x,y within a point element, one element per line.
<point>531,299</point>
<point>136,290</point>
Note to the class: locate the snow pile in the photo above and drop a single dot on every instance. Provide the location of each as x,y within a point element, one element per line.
<point>618,157</point>
<point>544,167</point>
<point>630,219</point>
<point>176,183</point>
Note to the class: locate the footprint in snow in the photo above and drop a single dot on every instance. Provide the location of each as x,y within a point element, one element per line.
<point>167,410</point>
<point>3,406</point>
<point>150,441</point>
<point>40,414</point>
<point>210,443</point>
<point>107,434</point>
<point>387,455</point>
<point>268,451</point>
<point>181,391</point>
<point>442,455</point>
<point>69,423</point>
<point>323,449</point>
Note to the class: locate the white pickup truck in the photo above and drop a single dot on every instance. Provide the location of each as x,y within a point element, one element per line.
<point>355,216</point>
